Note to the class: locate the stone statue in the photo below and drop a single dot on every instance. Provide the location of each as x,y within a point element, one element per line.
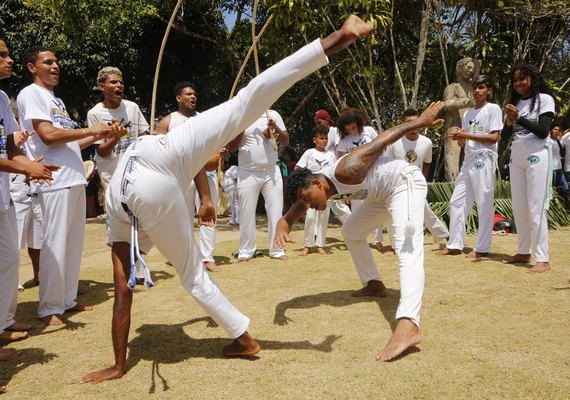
<point>458,98</point>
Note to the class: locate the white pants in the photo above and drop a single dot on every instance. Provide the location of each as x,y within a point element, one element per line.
<point>60,260</point>
<point>377,234</point>
<point>166,164</point>
<point>9,263</point>
<point>234,206</point>
<point>207,233</point>
<point>434,225</point>
<point>30,220</point>
<point>270,184</point>
<point>316,223</point>
<point>475,183</point>
<point>410,251</point>
<point>529,184</point>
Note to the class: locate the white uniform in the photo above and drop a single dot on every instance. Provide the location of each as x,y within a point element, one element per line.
<point>565,142</point>
<point>316,221</point>
<point>130,115</point>
<point>161,169</point>
<point>229,184</point>
<point>476,180</point>
<point>392,190</point>
<point>28,213</point>
<point>418,152</point>
<point>62,202</point>
<point>340,209</point>
<point>530,180</point>
<point>207,233</point>
<point>9,252</point>
<point>259,173</point>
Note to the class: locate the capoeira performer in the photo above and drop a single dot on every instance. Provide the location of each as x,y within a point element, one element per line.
<point>316,221</point>
<point>205,183</point>
<point>54,137</point>
<point>389,188</point>
<point>529,115</point>
<point>416,149</point>
<point>229,185</point>
<point>478,136</point>
<point>167,163</point>
<point>258,172</point>
<point>10,329</point>
<point>109,151</point>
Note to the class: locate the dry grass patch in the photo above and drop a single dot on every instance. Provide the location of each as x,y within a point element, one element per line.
<point>491,331</point>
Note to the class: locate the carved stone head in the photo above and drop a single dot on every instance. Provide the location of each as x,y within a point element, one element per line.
<point>467,69</point>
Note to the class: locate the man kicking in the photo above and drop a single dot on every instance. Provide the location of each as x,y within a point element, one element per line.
<point>150,184</point>
<point>394,191</point>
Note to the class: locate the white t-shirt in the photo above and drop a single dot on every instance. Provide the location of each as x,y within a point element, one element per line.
<point>332,140</point>
<point>8,125</point>
<point>565,142</point>
<point>256,153</point>
<point>316,160</point>
<point>544,104</point>
<point>38,103</point>
<point>129,114</point>
<point>556,162</point>
<point>350,142</point>
<point>229,182</point>
<point>177,119</point>
<point>481,121</point>
<point>415,152</point>
<point>379,182</point>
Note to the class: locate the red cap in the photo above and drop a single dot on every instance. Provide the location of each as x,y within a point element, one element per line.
<point>323,114</point>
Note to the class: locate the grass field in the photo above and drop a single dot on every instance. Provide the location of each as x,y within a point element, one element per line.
<point>491,331</point>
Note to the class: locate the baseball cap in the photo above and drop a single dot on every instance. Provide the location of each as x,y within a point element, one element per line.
<point>323,114</point>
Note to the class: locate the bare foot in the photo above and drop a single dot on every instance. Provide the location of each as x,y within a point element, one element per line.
<point>211,266</point>
<point>379,246</point>
<point>372,288</point>
<point>242,346</point>
<point>322,251</point>
<point>305,251</point>
<point>9,354</point>
<point>54,320</point>
<point>243,260</point>
<point>448,252</point>
<point>517,258</point>
<point>539,268</point>
<point>284,257</point>
<point>106,374</point>
<point>406,335</point>
<point>19,327</point>
<point>388,250</point>
<point>2,389</point>
<point>352,29</point>
<point>8,336</point>
<point>79,308</point>
<point>476,255</point>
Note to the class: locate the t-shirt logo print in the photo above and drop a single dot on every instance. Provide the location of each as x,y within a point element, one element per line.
<point>533,160</point>
<point>2,137</point>
<point>411,156</point>
<point>360,194</point>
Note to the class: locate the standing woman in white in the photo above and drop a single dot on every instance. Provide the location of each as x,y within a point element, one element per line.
<point>529,115</point>
<point>478,135</point>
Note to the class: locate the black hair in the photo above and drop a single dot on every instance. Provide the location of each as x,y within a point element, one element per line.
<point>538,84</point>
<point>348,116</point>
<point>183,85</point>
<point>319,130</point>
<point>410,112</point>
<point>299,179</point>
<point>31,55</point>
<point>483,80</point>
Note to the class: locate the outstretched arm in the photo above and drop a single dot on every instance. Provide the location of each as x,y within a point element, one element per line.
<point>353,168</point>
<point>285,223</point>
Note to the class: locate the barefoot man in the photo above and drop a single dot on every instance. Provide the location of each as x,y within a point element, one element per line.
<point>167,164</point>
<point>394,192</point>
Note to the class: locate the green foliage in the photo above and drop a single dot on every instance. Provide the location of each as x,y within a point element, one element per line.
<point>439,195</point>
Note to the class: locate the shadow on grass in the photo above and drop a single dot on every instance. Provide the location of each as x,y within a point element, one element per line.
<point>169,344</point>
<point>30,356</point>
<point>340,298</point>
